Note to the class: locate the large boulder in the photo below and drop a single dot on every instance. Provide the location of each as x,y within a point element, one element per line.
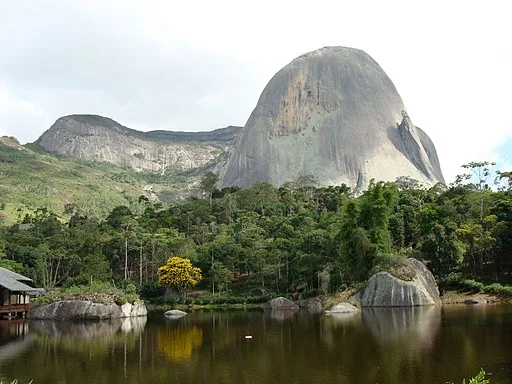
<point>313,305</point>
<point>175,313</point>
<point>86,310</point>
<point>280,304</point>
<point>133,310</point>
<point>416,287</point>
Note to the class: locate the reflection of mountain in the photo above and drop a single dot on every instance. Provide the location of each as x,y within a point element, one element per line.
<point>179,343</point>
<point>414,328</point>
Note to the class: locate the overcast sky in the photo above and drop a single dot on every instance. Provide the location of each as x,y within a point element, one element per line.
<point>200,65</point>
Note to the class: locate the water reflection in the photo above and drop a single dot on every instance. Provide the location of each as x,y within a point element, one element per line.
<point>415,328</point>
<point>90,330</point>
<point>340,319</point>
<point>392,346</point>
<point>15,339</point>
<point>280,315</point>
<point>178,343</point>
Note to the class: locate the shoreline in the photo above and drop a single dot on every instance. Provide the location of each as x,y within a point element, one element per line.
<point>448,298</point>
<point>456,297</point>
<point>164,307</point>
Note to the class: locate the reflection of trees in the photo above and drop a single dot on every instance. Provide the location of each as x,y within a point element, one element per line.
<point>399,346</point>
<point>179,343</point>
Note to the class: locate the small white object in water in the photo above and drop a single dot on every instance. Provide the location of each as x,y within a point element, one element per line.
<point>248,337</point>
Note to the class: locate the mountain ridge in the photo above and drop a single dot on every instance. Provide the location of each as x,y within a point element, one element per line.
<point>98,138</point>
<point>332,113</point>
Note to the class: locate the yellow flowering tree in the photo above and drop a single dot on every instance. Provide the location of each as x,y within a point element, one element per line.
<point>179,273</point>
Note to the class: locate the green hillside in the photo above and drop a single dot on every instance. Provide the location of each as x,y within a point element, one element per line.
<point>30,179</point>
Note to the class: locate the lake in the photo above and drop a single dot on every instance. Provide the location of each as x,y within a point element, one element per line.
<point>402,345</point>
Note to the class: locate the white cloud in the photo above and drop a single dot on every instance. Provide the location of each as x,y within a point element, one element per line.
<point>202,65</point>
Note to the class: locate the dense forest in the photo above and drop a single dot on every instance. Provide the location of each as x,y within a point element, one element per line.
<point>296,237</point>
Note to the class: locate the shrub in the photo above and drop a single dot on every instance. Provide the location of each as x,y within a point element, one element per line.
<point>453,280</point>
<point>396,265</point>
<point>310,294</point>
<point>478,379</point>
<point>76,281</point>
<point>151,290</point>
<point>498,289</point>
<point>258,299</point>
<point>130,289</point>
<point>472,286</point>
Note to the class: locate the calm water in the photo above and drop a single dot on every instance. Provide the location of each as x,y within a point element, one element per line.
<point>428,345</point>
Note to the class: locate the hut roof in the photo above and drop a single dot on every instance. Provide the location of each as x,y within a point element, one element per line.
<point>11,281</point>
<point>13,275</point>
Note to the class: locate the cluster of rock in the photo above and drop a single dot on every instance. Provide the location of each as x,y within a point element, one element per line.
<point>86,310</point>
<point>382,290</point>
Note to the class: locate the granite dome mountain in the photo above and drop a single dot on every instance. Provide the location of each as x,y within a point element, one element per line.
<point>332,113</point>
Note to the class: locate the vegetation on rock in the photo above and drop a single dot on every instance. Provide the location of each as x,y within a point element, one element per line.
<point>101,293</point>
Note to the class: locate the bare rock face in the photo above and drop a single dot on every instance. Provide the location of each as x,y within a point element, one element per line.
<point>86,310</point>
<point>385,290</point>
<point>97,138</point>
<point>333,114</point>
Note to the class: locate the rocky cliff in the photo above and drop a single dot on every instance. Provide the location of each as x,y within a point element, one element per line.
<point>333,114</point>
<point>97,138</point>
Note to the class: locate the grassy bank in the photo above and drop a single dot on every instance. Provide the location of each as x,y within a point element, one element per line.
<point>457,289</point>
<point>203,299</point>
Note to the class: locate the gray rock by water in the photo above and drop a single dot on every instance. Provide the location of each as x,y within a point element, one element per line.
<point>313,305</point>
<point>334,114</point>
<point>385,290</point>
<point>343,308</point>
<point>85,310</point>
<point>175,313</point>
<point>281,304</point>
